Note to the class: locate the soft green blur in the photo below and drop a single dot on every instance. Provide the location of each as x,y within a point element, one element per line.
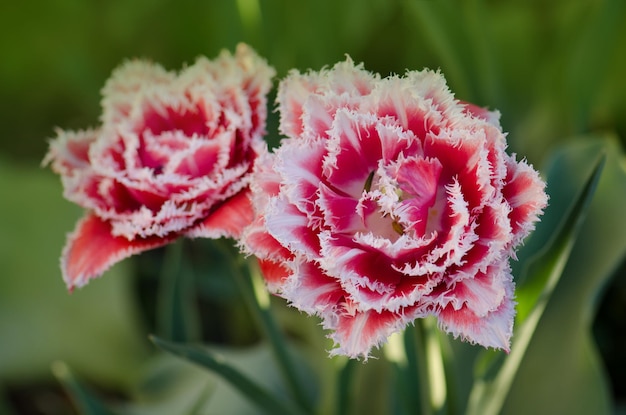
<point>555,70</point>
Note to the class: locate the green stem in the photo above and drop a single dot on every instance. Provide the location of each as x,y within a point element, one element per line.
<point>254,293</point>
<point>177,320</point>
<point>344,388</point>
<point>417,339</point>
<point>448,358</point>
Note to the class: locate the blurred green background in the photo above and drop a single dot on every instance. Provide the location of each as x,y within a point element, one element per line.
<point>554,69</point>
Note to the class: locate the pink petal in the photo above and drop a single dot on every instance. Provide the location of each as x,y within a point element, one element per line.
<point>200,161</point>
<point>488,324</point>
<point>346,78</point>
<point>483,292</point>
<point>402,104</point>
<point>494,236</point>
<point>524,191</point>
<point>257,241</point>
<point>355,334</point>
<point>464,158</point>
<point>155,150</point>
<point>339,210</point>
<point>354,151</point>
<point>290,227</point>
<point>318,116</point>
<point>140,195</point>
<point>228,220</point>
<point>265,182</point>
<point>300,167</point>
<point>125,83</point>
<point>69,152</point>
<point>159,118</point>
<point>91,249</point>
<point>418,180</point>
<point>292,93</point>
<point>274,273</point>
<point>346,81</point>
<point>372,278</point>
<point>311,290</point>
<point>492,117</point>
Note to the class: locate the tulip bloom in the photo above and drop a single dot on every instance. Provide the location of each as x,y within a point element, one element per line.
<point>388,201</point>
<point>172,158</point>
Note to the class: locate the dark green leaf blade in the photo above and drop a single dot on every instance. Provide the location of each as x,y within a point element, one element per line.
<point>489,394</point>
<point>576,382</point>
<point>562,179</point>
<point>215,363</point>
<point>83,399</point>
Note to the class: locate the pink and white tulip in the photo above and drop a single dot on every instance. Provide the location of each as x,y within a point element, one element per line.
<point>172,158</point>
<point>388,201</point>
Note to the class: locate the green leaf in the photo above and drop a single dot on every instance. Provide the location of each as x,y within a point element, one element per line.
<point>83,399</point>
<point>489,394</point>
<point>565,174</point>
<point>169,385</point>
<point>216,363</point>
<point>576,382</point>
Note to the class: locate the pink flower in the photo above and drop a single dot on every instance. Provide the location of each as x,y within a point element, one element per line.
<point>388,201</point>
<point>172,158</point>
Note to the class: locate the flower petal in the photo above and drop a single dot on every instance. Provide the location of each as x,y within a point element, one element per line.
<point>227,220</point>
<point>127,81</point>
<point>342,85</point>
<point>355,334</point>
<point>474,321</point>
<point>91,249</point>
<point>492,117</point>
<point>290,227</point>
<point>311,290</point>
<point>69,152</point>
<point>274,273</point>
<point>524,191</point>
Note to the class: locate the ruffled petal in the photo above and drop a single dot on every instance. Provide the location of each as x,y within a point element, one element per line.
<point>274,273</point>
<point>125,83</point>
<point>301,113</point>
<point>477,317</point>
<point>91,249</point>
<point>492,117</point>
<point>228,220</point>
<point>356,333</point>
<point>291,228</point>
<point>311,290</point>
<point>524,192</point>
<point>69,152</point>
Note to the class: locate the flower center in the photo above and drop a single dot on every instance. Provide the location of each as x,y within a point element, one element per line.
<point>368,182</point>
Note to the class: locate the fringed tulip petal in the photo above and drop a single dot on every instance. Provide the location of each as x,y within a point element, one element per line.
<point>91,249</point>
<point>229,219</point>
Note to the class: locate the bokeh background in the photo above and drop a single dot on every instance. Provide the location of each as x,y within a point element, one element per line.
<point>555,70</point>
